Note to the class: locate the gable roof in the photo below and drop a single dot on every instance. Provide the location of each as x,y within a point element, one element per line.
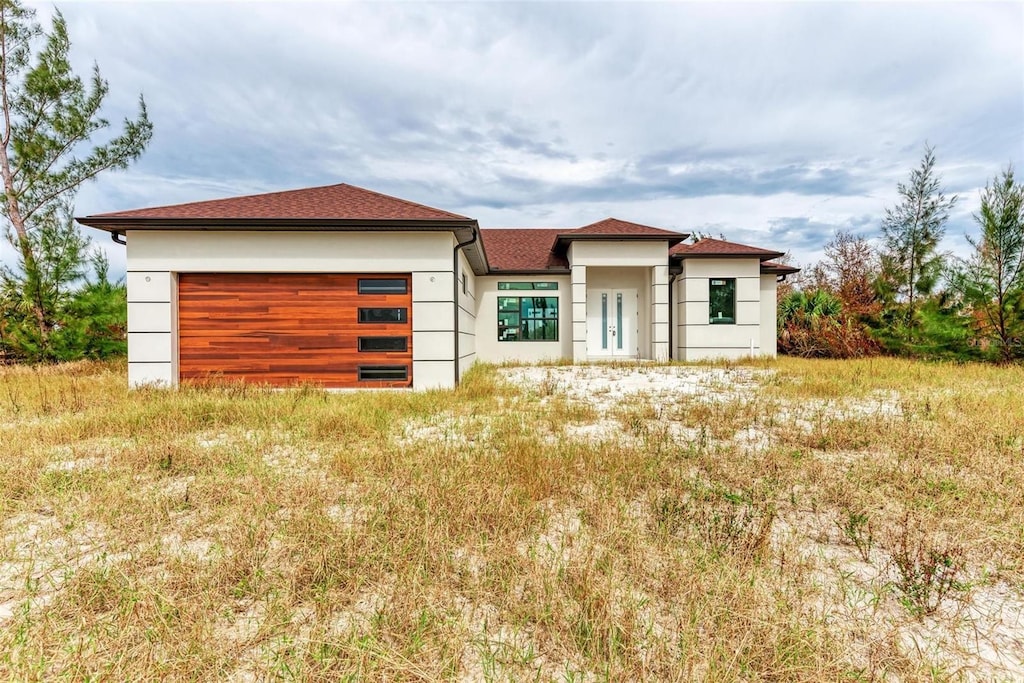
<point>614,226</point>
<point>330,202</point>
<point>709,247</point>
<point>523,249</point>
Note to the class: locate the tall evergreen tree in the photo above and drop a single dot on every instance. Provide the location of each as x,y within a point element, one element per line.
<point>911,232</point>
<point>992,279</point>
<point>49,118</point>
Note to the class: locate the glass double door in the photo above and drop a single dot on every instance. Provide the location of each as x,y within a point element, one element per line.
<point>612,322</point>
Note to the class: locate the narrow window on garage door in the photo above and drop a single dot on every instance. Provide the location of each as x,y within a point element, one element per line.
<point>384,343</point>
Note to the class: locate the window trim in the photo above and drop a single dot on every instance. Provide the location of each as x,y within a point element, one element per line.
<point>404,369</point>
<point>531,286</point>
<point>403,316</point>
<point>404,281</point>
<point>520,318</point>
<point>403,338</point>
<point>721,320</point>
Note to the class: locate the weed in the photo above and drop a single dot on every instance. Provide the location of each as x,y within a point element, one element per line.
<point>856,529</point>
<point>928,571</point>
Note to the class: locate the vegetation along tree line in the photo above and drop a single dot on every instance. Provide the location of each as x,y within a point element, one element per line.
<point>57,301</point>
<point>902,296</point>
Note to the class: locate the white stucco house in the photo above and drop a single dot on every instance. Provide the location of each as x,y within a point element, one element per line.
<point>345,287</point>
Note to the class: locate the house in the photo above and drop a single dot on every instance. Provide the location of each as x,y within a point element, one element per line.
<point>346,287</point>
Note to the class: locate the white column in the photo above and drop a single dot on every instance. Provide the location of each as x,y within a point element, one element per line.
<point>152,328</point>
<point>433,330</point>
<point>659,313</point>
<point>579,313</point>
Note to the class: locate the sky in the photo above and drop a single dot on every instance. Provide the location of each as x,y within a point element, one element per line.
<point>773,124</point>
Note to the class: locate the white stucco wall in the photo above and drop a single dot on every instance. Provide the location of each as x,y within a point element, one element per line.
<point>490,350</point>
<point>697,338</point>
<point>769,313</point>
<point>467,315</point>
<point>155,257</point>
<point>618,253</point>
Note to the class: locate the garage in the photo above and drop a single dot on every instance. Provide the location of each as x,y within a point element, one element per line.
<point>284,329</point>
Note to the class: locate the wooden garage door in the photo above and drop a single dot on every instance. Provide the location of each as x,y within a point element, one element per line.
<point>334,330</point>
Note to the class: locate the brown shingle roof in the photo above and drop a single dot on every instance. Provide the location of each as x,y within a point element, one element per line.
<point>713,247</point>
<point>614,226</point>
<point>777,268</point>
<point>522,249</point>
<point>342,201</point>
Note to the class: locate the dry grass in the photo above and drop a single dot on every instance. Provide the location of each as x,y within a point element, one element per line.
<point>778,523</point>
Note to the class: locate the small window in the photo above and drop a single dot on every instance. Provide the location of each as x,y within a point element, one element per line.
<point>527,318</point>
<point>550,286</point>
<point>383,343</point>
<point>722,305</point>
<point>386,373</point>
<point>383,286</point>
<point>465,285</point>
<point>383,315</point>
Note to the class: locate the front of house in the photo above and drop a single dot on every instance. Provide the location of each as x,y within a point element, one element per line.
<point>345,287</point>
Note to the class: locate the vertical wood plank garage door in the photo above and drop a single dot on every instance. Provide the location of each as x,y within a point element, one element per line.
<point>285,329</point>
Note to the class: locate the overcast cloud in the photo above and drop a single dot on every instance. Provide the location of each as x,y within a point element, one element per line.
<point>773,124</point>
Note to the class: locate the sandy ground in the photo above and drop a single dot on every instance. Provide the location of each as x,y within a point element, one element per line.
<point>979,633</point>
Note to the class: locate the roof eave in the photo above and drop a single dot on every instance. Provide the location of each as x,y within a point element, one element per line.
<point>779,270</point>
<point>758,256</point>
<point>523,271</point>
<point>463,229</point>
<point>565,238</point>
<point>122,223</point>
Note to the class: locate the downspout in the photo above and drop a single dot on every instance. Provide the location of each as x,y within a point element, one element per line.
<point>455,273</point>
<point>117,237</point>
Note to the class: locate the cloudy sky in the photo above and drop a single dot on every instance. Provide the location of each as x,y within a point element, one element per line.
<point>771,123</point>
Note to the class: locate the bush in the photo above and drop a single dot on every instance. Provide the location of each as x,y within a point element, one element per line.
<point>815,326</point>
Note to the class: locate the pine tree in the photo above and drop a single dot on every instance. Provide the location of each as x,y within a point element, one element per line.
<point>992,279</point>
<point>911,231</point>
<point>49,117</point>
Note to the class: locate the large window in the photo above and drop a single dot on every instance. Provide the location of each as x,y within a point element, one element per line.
<point>722,308</point>
<point>527,318</point>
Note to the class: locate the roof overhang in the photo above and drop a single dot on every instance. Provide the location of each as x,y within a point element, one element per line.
<point>778,269</point>
<point>464,230</point>
<point>564,239</point>
<point>760,256</point>
<point>518,271</point>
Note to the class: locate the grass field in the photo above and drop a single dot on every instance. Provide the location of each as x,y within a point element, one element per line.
<point>789,520</point>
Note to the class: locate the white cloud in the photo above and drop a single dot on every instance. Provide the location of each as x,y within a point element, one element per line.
<point>726,117</point>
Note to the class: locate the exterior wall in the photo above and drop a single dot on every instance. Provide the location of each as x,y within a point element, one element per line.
<point>618,253</point>
<point>769,313</point>
<point>155,257</point>
<point>659,313</point>
<point>490,350</point>
<point>697,338</point>
<point>467,315</point>
<point>623,264</point>
<point>579,313</point>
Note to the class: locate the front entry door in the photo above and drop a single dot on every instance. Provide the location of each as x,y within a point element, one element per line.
<point>612,322</point>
